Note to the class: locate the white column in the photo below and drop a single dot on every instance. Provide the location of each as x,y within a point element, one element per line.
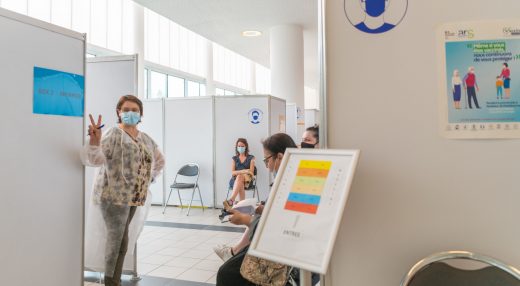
<point>139,47</point>
<point>286,43</point>
<point>252,78</point>
<point>210,84</point>
<point>287,80</point>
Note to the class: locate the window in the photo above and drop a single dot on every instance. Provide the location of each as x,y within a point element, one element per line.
<point>263,79</point>
<point>193,88</point>
<point>219,91</point>
<point>231,68</point>
<point>145,83</point>
<point>98,27</point>
<point>114,29</point>
<point>61,13</point>
<point>202,89</point>
<point>40,9</point>
<point>17,6</point>
<point>157,85</point>
<point>228,92</point>
<point>175,86</point>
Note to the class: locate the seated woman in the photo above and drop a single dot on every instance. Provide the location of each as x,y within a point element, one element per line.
<point>229,272</point>
<point>242,171</point>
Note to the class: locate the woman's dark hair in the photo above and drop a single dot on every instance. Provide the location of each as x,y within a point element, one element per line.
<point>126,98</point>
<point>243,140</point>
<point>506,65</point>
<point>315,130</point>
<point>278,142</point>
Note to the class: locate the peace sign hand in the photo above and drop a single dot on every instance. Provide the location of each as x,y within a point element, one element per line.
<point>94,131</point>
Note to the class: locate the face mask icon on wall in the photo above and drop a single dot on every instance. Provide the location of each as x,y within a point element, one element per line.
<point>375,16</point>
<point>255,115</point>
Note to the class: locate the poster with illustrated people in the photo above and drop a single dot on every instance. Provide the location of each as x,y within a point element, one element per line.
<point>479,89</point>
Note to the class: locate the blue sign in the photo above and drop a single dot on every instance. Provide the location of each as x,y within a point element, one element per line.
<point>58,93</point>
<point>255,115</point>
<point>375,16</point>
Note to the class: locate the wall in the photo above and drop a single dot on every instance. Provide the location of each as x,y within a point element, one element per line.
<point>415,193</point>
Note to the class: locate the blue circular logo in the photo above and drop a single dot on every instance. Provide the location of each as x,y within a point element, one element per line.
<point>255,115</point>
<point>375,16</point>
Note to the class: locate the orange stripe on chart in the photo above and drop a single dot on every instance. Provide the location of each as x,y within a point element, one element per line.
<point>311,172</point>
<point>305,189</point>
<point>303,208</point>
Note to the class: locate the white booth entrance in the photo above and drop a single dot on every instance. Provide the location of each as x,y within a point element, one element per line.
<point>203,130</point>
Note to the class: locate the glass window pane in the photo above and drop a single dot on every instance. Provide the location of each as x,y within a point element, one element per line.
<point>157,85</point>
<point>193,88</point>
<point>145,82</point>
<point>90,55</point>
<point>40,9</point>
<point>174,45</point>
<point>128,24</point>
<point>164,41</point>
<point>98,13</point>
<point>152,36</point>
<point>61,13</point>
<point>18,6</point>
<point>81,16</point>
<point>219,91</point>
<point>228,92</point>
<point>202,89</point>
<point>175,86</point>
<point>114,25</point>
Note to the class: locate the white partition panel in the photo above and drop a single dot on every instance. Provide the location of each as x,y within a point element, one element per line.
<point>312,117</point>
<point>108,78</point>
<point>152,124</point>
<point>232,118</point>
<point>291,121</point>
<point>41,242</point>
<point>277,112</point>
<point>188,138</point>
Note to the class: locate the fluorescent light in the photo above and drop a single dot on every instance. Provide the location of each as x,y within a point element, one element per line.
<point>251,33</point>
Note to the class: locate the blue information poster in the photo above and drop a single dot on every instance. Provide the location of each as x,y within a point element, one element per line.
<point>58,93</point>
<point>480,95</point>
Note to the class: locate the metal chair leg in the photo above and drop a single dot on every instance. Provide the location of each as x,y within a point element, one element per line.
<point>180,200</point>
<point>166,204</point>
<point>200,196</point>
<point>228,190</point>
<point>257,194</point>
<point>192,195</point>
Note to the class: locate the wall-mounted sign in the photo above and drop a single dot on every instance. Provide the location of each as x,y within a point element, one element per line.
<point>255,115</point>
<point>375,16</point>
<point>58,93</point>
<point>479,96</point>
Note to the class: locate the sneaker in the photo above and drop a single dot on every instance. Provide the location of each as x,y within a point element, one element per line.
<point>223,251</point>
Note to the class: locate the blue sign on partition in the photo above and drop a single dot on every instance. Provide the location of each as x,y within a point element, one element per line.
<point>58,93</point>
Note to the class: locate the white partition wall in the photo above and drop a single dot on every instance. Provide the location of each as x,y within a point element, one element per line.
<point>277,112</point>
<point>107,79</point>
<point>152,124</point>
<point>233,120</point>
<point>292,121</point>
<point>41,242</point>
<point>188,134</point>
<point>415,192</point>
<point>312,117</point>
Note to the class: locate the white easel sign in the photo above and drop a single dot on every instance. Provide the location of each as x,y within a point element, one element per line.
<point>301,219</point>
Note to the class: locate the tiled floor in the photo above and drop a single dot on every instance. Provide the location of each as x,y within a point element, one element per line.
<point>180,249</point>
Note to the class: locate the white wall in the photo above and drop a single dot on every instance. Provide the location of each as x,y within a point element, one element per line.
<point>232,122</point>
<point>415,193</point>
<point>189,139</point>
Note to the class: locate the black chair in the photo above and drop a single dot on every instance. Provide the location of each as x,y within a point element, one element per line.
<point>252,187</point>
<point>438,269</point>
<point>186,178</point>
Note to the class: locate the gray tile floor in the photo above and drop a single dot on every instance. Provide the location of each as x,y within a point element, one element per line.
<point>175,249</point>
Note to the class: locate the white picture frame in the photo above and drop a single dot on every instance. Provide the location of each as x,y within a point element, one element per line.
<point>303,234</point>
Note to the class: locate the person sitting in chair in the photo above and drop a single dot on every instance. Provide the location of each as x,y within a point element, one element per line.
<point>242,171</point>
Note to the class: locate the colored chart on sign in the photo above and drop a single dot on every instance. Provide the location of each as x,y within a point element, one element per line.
<point>308,186</point>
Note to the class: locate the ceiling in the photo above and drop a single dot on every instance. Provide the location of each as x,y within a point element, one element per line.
<point>222,21</point>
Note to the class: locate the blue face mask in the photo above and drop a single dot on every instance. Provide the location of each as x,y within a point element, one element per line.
<point>130,118</point>
<point>241,150</point>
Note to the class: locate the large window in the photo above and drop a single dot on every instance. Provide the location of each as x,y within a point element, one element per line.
<point>231,68</point>
<point>172,45</point>
<point>157,85</point>
<point>263,79</point>
<point>175,86</point>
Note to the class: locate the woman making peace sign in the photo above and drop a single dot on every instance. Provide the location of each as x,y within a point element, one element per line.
<point>129,161</point>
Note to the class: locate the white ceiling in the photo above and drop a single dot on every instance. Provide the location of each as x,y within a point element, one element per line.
<point>222,21</point>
